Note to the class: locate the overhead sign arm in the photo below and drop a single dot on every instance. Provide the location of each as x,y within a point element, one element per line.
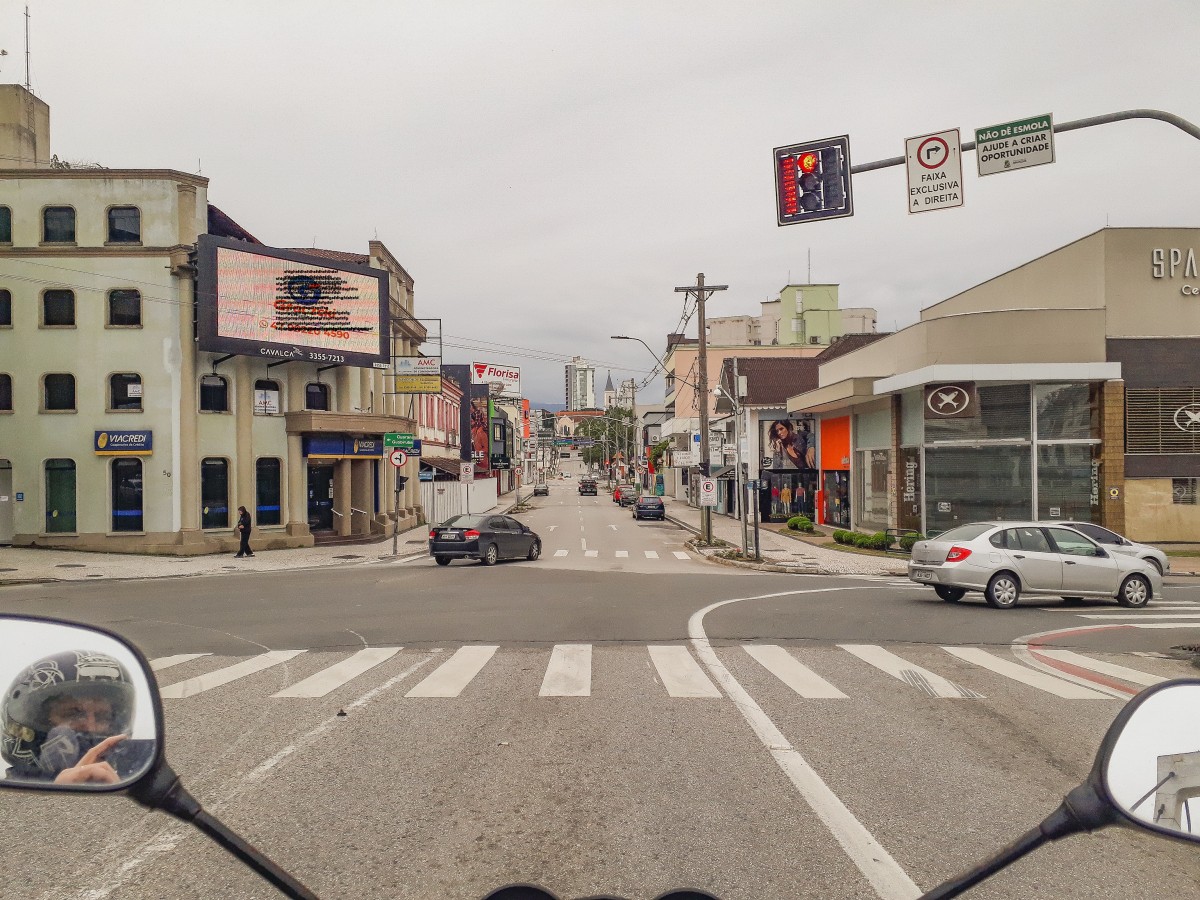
<point>1170,118</point>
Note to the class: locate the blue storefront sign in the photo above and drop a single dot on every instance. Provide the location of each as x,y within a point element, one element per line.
<point>340,446</point>
<point>123,443</point>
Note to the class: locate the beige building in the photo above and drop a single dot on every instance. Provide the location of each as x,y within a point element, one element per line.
<point>116,431</point>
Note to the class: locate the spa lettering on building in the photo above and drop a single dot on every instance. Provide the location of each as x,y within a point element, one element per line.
<point>1176,262</point>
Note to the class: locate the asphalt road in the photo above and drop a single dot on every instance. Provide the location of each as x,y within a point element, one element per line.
<point>582,722</point>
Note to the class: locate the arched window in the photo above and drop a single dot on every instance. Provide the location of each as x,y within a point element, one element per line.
<point>214,393</point>
<point>58,394</point>
<point>58,225</point>
<point>214,492</point>
<point>58,309</point>
<point>125,309</point>
<point>266,397</point>
<point>124,225</point>
<point>5,393</point>
<point>60,496</point>
<point>5,225</point>
<point>125,392</point>
<point>316,396</point>
<point>127,495</point>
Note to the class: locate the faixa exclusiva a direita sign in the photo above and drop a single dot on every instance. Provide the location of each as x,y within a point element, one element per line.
<point>123,443</point>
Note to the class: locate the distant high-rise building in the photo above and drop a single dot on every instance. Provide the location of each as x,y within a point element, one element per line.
<point>580,384</point>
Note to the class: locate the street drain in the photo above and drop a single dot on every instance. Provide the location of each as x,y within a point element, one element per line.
<point>8,570</point>
<point>71,566</point>
<point>350,556</point>
<point>93,576</point>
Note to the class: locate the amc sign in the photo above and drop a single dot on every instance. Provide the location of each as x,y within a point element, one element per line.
<point>507,376</point>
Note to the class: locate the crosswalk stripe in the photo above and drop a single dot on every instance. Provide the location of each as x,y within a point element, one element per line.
<point>325,681</point>
<point>569,673</point>
<point>561,552</point>
<point>591,553</point>
<point>622,554</point>
<point>680,673</point>
<point>914,676</point>
<point>1025,675</point>
<point>449,679</point>
<point>1098,665</point>
<point>1131,616</point>
<point>165,662</point>
<point>799,677</point>
<point>679,554</point>
<point>651,554</point>
<point>201,683</point>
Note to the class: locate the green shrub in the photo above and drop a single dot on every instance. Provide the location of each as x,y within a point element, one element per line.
<point>877,541</point>
<point>907,540</point>
<point>841,536</point>
<point>794,522</point>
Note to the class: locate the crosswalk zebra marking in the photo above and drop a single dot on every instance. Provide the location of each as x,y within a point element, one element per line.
<point>1025,675</point>
<point>591,554</point>
<point>561,552</point>
<point>327,680</point>
<point>165,662</point>
<point>679,554</point>
<point>201,683</point>
<point>679,672</point>
<point>569,673</point>
<point>914,676</point>
<point>622,554</point>
<point>1097,665</point>
<point>799,677</point>
<point>651,554</point>
<point>449,679</point>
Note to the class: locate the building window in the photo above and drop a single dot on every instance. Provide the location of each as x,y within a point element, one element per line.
<point>316,396</point>
<point>266,397</point>
<point>1068,481</point>
<point>127,495</point>
<point>1183,490</point>
<point>59,393</point>
<point>1162,420</point>
<point>60,495</point>
<point>125,393</point>
<point>5,308</point>
<point>5,225</point>
<point>214,493</point>
<point>214,394</point>
<point>58,225</point>
<point>125,309</point>
<point>5,393</point>
<point>977,484</point>
<point>124,225</point>
<point>266,481</point>
<point>58,309</point>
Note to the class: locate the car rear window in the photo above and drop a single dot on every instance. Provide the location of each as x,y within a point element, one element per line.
<point>462,522</point>
<point>965,532</point>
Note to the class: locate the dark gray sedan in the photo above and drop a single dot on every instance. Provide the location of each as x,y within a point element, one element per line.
<point>487,538</point>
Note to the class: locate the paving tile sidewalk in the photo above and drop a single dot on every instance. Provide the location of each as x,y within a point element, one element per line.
<point>780,549</point>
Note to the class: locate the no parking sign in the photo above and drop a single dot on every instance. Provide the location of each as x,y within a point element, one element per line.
<point>708,492</point>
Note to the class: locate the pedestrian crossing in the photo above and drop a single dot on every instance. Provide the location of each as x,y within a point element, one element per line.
<point>561,552</point>
<point>676,672</point>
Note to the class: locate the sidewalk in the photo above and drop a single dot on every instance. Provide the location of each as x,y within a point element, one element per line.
<point>778,549</point>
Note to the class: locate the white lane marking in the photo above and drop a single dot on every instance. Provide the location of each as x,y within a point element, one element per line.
<point>651,554</point>
<point>1032,677</point>
<point>613,527</point>
<point>1127,617</point>
<point>551,527</point>
<point>1158,607</point>
<point>561,552</point>
<point>799,677</point>
<point>887,878</point>
<point>569,673</point>
<point>1167,625</point>
<point>1099,665</point>
<point>165,662</point>
<point>449,679</point>
<point>681,675</point>
<point>622,554</point>
<point>679,554</point>
<point>323,682</point>
<point>912,675</point>
<point>202,683</point>
<point>591,553</point>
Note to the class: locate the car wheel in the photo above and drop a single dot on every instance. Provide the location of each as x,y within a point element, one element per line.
<point>490,555</point>
<point>1135,592</point>
<point>535,550</point>
<point>949,594</point>
<point>1154,562</point>
<point>442,560</point>
<point>1003,591</point>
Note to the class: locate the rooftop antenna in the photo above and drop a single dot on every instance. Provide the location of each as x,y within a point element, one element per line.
<point>27,48</point>
<point>810,265</point>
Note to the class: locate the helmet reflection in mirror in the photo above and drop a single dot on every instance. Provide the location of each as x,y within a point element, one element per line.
<point>1153,770</point>
<point>59,708</point>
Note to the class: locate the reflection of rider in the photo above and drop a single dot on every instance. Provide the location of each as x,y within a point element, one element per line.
<point>62,716</point>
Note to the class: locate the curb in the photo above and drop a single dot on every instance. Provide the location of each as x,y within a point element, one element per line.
<point>712,557</point>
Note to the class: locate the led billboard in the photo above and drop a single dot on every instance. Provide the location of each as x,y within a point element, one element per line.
<point>282,304</point>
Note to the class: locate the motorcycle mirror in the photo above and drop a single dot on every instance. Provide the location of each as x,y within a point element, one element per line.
<point>1150,760</point>
<point>80,709</point>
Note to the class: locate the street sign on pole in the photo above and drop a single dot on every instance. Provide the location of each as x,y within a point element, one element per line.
<point>466,471</point>
<point>934,163</point>
<point>397,457</point>
<point>708,492</point>
<point>1015,145</point>
<point>399,439</point>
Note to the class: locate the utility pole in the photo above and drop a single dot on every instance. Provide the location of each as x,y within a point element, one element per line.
<point>701,292</point>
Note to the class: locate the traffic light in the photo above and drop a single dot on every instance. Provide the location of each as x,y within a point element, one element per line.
<point>812,181</point>
<point>401,481</point>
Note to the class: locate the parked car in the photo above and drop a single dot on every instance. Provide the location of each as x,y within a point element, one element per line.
<point>487,538</point>
<point>541,490</point>
<point>587,486</point>
<point>629,494</point>
<point>1110,540</point>
<point>1006,559</point>
<point>649,507</point>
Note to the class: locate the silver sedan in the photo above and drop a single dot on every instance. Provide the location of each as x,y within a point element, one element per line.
<point>1007,559</point>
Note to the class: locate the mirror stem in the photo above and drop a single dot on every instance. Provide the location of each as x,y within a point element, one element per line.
<point>1026,843</point>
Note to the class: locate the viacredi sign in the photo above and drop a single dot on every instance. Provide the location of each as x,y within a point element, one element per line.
<point>934,163</point>
<point>1015,145</point>
<point>508,376</point>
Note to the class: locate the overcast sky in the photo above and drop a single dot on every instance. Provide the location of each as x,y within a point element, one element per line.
<point>549,172</point>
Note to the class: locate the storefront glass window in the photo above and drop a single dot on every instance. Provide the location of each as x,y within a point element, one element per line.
<point>60,495</point>
<point>214,493</point>
<point>976,484</point>
<point>1069,482</point>
<point>837,499</point>
<point>1067,412</point>
<point>873,429</point>
<point>912,418</point>
<point>267,506</point>
<point>126,495</point>
<point>787,494</point>
<point>872,513</point>
<point>1004,414</point>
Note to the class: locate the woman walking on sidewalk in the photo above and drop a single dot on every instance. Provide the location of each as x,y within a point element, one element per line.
<point>243,528</point>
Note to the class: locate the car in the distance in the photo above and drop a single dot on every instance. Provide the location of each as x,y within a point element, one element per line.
<point>587,486</point>
<point>1110,540</point>
<point>541,489</point>
<point>1004,560</point>
<point>649,507</point>
<point>629,495</point>
<point>616,495</point>
<point>487,538</point>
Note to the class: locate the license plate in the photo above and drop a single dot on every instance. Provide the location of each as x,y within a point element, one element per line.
<point>921,575</point>
<point>450,536</point>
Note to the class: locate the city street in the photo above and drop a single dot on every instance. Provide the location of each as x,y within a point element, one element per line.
<point>621,718</point>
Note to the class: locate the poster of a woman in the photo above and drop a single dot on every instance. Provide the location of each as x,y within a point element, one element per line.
<point>791,444</point>
<point>479,428</point>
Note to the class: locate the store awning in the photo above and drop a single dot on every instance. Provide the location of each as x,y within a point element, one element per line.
<point>839,395</point>
<point>999,372</point>
<point>443,464</point>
